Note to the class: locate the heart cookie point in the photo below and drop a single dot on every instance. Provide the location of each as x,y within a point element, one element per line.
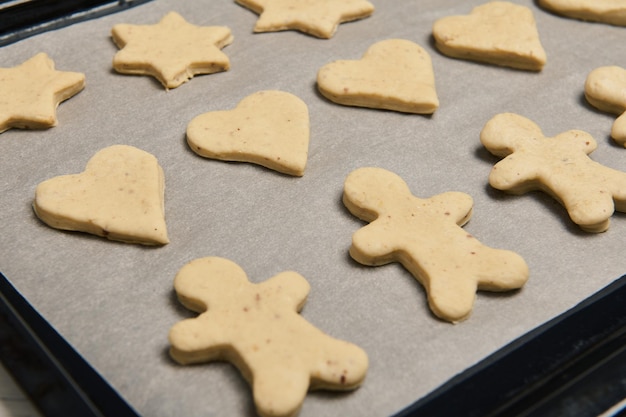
<point>120,196</point>
<point>268,128</point>
<point>393,74</point>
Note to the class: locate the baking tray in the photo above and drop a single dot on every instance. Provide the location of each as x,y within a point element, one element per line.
<point>108,306</point>
<point>574,365</point>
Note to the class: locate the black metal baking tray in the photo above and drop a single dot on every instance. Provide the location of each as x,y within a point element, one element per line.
<point>573,365</point>
<point>24,18</point>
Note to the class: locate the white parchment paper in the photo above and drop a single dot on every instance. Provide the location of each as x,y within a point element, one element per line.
<point>115,303</point>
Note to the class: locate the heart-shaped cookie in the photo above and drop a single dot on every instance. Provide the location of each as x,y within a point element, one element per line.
<point>605,89</point>
<point>497,32</point>
<point>120,196</point>
<point>393,74</point>
<point>268,128</point>
<point>605,11</point>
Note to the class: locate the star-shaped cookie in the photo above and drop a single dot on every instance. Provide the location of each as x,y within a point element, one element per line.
<point>31,92</point>
<point>319,18</point>
<point>172,51</point>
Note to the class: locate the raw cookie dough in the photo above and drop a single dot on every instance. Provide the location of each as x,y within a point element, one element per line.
<point>605,89</point>
<point>257,328</point>
<point>498,32</point>
<point>559,166</point>
<point>426,237</point>
<point>604,11</point>
<point>393,74</point>
<point>268,128</point>
<point>319,18</point>
<point>31,92</point>
<point>172,51</point>
<point>120,196</point>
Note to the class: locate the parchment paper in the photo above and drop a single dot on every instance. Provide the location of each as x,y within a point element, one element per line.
<point>115,303</point>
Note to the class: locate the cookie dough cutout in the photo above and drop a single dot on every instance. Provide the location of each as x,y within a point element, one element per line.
<point>426,237</point>
<point>257,328</point>
<point>120,196</point>
<point>31,92</point>
<point>172,51</point>
<point>605,89</point>
<point>498,32</point>
<point>393,74</point>
<point>319,18</point>
<point>559,166</point>
<point>612,12</point>
<point>268,128</point>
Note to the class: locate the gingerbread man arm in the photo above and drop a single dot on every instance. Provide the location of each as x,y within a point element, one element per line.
<point>205,345</point>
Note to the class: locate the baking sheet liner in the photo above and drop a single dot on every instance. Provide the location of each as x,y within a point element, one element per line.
<point>115,303</point>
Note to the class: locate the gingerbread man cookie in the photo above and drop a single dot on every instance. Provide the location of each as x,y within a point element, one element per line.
<point>172,51</point>
<point>605,89</point>
<point>426,237</point>
<point>31,92</point>
<point>318,18</point>
<point>559,166</point>
<point>257,328</point>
